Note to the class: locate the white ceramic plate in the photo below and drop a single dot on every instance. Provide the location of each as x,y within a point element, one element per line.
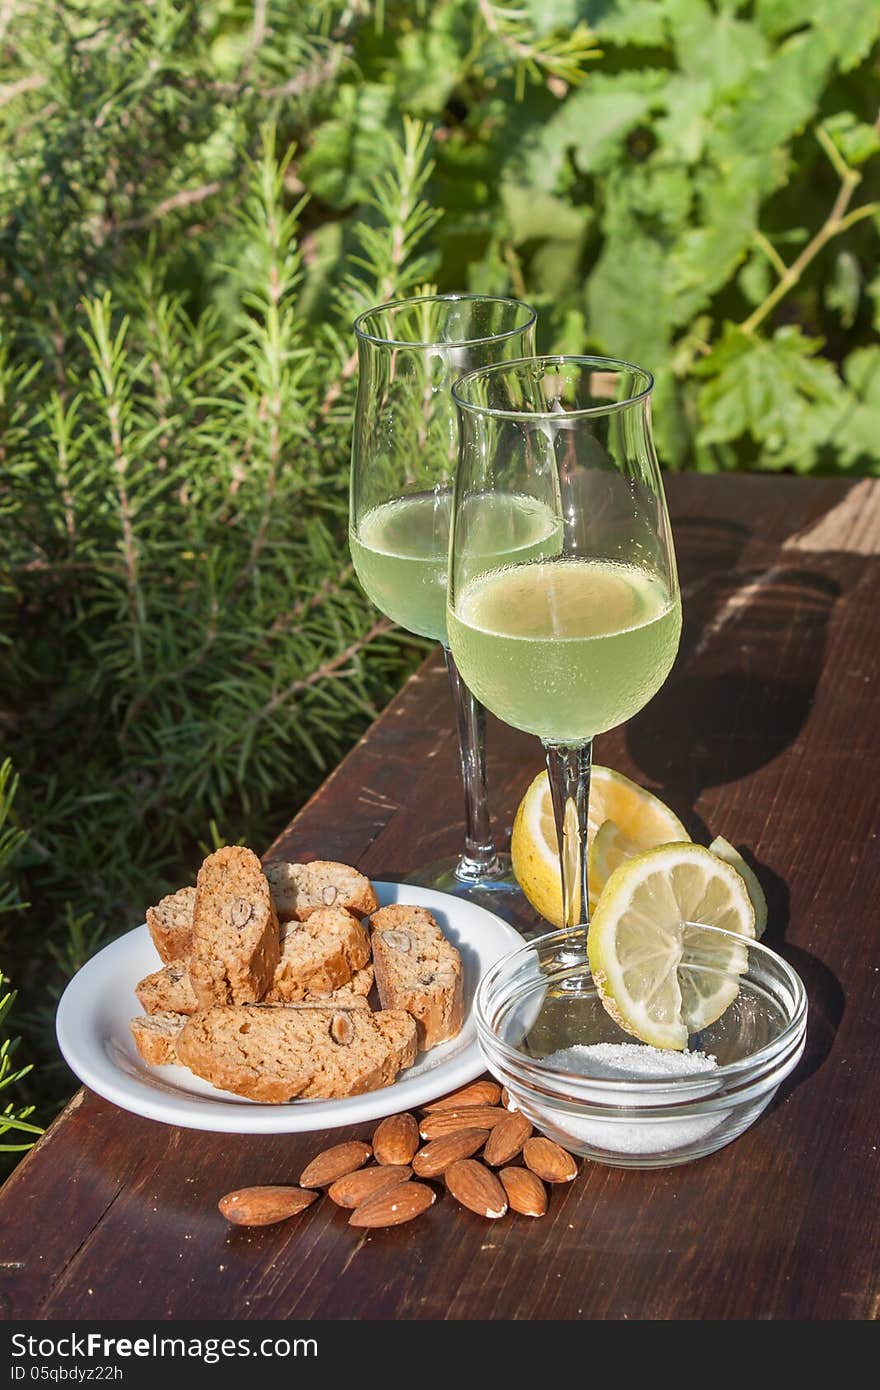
<point>94,1036</point>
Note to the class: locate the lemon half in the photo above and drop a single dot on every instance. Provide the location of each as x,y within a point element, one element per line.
<point>640,818</point>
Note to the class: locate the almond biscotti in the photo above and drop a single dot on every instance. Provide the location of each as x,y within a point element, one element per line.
<point>168,990</point>
<point>277,1053</point>
<point>319,955</point>
<point>235,944</point>
<point>352,995</point>
<point>155,1037</point>
<point>298,890</point>
<point>170,923</point>
<point>417,969</point>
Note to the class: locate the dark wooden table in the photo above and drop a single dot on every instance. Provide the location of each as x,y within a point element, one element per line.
<point>766,732</point>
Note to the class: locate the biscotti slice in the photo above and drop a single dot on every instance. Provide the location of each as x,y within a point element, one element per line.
<point>168,990</point>
<point>298,890</point>
<point>395,1026</point>
<point>318,955</point>
<point>279,1052</point>
<point>170,923</point>
<point>155,1038</point>
<point>417,969</point>
<point>400,1031</point>
<point>352,995</point>
<point>236,944</point>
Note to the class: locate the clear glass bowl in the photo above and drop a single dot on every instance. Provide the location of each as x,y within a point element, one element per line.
<point>541,999</point>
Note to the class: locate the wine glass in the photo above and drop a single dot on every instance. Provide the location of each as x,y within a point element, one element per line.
<point>571,643</point>
<point>404,457</point>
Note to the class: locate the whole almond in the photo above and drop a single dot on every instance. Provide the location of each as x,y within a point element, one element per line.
<point>436,1156</point>
<point>263,1206</point>
<point>478,1189</point>
<point>393,1205</point>
<point>396,940</point>
<point>472,1117</point>
<point>507,1138</point>
<point>396,1139</point>
<point>342,1028</point>
<point>356,1187</point>
<point>334,1163</point>
<point>240,913</point>
<point>525,1191</point>
<point>549,1161</point>
<point>478,1093</point>
<point>507,1099</point>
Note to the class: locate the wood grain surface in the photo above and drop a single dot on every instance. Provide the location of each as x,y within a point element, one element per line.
<point>766,732</point>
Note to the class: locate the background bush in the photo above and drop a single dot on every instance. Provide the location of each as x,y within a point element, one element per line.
<point>197,196</point>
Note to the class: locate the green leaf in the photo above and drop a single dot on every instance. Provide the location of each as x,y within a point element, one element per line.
<point>533,214</point>
<point>778,17</point>
<point>632,23</point>
<point>555,266</point>
<point>627,309</point>
<point>593,124</point>
<point>852,27</point>
<point>657,196</point>
<point>843,291</point>
<point>861,372</point>
<point>755,280</point>
<point>765,390</point>
<point>717,48</point>
<point>855,140</point>
<point>683,130</point>
<point>856,428</point>
<point>561,230</point>
<point>707,255</point>
<point>777,101</point>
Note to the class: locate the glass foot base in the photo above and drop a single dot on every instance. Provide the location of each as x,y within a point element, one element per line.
<point>498,891</point>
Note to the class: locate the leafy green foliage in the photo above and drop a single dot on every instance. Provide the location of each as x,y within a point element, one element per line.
<point>765,391</point>
<point>196,199</point>
<point>17,1130</point>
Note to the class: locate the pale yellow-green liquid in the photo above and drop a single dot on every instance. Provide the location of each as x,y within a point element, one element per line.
<point>400,549</point>
<point>565,649</point>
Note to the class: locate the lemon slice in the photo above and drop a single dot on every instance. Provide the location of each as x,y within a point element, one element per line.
<point>725,850</point>
<point>659,977</point>
<point>639,816</point>
<point>610,848</point>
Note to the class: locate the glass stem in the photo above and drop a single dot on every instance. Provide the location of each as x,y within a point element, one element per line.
<point>479,859</point>
<point>568,767</point>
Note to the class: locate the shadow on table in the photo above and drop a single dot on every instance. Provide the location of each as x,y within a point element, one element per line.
<point>706,547</point>
<point>826,1002</point>
<point>751,656</point>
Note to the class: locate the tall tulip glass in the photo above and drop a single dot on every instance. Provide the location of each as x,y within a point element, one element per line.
<point>573,642</point>
<point>404,457</point>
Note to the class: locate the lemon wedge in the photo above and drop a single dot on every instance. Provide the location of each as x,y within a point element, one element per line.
<point>641,820</point>
<point>660,977</point>
<point>725,850</point>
